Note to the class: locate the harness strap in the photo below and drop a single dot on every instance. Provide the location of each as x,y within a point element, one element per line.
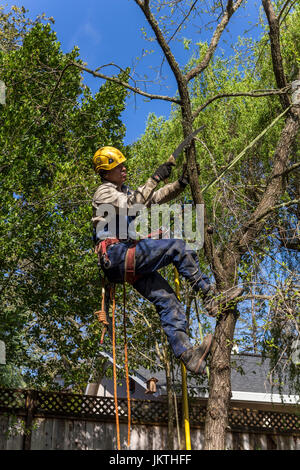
<point>101,251</point>
<point>130,275</point>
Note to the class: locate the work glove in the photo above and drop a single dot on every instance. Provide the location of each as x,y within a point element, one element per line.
<point>163,172</point>
<point>184,179</point>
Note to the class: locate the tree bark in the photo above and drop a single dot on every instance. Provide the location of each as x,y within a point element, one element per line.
<point>220,383</point>
<point>274,34</point>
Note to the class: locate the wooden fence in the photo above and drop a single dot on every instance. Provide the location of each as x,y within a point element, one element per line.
<point>32,419</point>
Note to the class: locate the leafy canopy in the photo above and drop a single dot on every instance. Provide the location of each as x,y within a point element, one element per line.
<point>50,128</point>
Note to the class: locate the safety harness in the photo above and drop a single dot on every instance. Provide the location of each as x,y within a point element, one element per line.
<point>101,251</point>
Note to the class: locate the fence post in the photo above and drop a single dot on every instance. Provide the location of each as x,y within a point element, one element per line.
<point>29,410</point>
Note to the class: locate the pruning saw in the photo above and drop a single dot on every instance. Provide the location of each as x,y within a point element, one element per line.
<point>184,144</point>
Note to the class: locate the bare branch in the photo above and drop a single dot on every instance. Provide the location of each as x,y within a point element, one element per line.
<point>178,28</point>
<point>284,7</point>
<point>253,94</point>
<point>230,9</point>
<point>161,41</point>
<point>274,208</point>
<point>126,85</point>
<point>288,170</point>
<point>184,19</point>
<point>287,12</point>
<point>275,49</point>
<point>255,296</point>
<point>56,86</point>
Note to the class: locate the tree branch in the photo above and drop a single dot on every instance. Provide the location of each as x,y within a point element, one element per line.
<point>184,19</point>
<point>287,12</point>
<point>288,170</point>
<point>241,241</point>
<point>274,208</point>
<point>284,7</point>
<point>275,185</point>
<point>255,296</point>
<point>56,86</point>
<point>126,85</point>
<point>275,49</point>
<point>253,94</point>
<point>230,9</point>
<point>161,40</point>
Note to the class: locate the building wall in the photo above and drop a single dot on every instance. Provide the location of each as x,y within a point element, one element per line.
<point>106,389</point>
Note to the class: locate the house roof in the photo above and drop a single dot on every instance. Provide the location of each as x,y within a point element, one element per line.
<point>249,380</point>
<point>249,373</point>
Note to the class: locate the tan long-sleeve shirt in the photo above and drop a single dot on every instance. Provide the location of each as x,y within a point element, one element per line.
<point>124,198</point>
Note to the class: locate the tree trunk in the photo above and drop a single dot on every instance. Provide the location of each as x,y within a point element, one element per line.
<point>220,370</point>
<point>219,383</point>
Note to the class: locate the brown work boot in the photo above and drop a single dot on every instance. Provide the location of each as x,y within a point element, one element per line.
<point>194,358</point>
<point>214,302</point>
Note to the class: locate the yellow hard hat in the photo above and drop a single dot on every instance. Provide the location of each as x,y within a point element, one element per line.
<point>106,158</point>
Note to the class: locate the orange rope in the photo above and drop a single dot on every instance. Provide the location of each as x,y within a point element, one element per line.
<point>126,364</point>
<point>101,314</point>
<point>115,368</point>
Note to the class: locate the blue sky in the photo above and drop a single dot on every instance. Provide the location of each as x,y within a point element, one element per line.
<point>110,31</point>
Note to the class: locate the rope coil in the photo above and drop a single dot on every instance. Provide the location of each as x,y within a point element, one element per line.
<point>101,315</point>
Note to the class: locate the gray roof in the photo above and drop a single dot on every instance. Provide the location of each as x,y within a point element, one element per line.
<point>249,373</point>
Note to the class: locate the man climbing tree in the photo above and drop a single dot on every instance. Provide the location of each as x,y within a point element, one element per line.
<point>123,259</point>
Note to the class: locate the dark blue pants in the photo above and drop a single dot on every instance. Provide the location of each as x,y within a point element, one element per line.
<point>151,255</point>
